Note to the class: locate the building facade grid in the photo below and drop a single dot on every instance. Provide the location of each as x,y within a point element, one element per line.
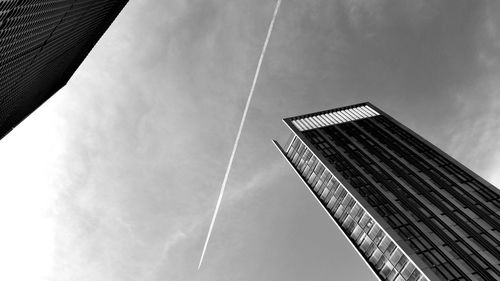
<point>385,258</point>
<point>41,45</point>
<point>445,217</point>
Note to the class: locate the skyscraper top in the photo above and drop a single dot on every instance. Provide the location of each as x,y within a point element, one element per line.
<point>411,211</point>
<point>333,117</point>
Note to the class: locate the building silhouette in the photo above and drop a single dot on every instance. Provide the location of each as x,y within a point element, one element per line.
<point>42,43</point>
<point>411,211</point>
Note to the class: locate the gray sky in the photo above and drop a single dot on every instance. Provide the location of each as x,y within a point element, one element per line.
<point>117,175</point>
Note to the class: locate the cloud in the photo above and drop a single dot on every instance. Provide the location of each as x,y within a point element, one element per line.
<point>363,14</point>
<point>475,130</point>
<point>266,175</point>
<point>474,138</point>
<point>489,37</point>
<point>370,17</point>
<point>195,227</point>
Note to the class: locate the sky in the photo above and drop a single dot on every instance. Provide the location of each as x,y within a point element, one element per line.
<point>117,175</point>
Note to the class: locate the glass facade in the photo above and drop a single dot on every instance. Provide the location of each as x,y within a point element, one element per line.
<point>443,220</point>
<point>41,45</point>
<point>379,250</point>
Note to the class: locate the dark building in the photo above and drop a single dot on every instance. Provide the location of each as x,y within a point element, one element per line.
<point>411,211</point>
<point>42,42</point>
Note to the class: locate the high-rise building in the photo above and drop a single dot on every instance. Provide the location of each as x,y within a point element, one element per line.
<point>42,42</point>
<point>411,211</point>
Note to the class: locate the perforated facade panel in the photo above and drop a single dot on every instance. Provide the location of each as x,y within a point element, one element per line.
<point>411,211</point>
<point>42,42</point>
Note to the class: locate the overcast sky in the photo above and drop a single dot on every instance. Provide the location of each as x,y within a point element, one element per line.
<point>117,175</point>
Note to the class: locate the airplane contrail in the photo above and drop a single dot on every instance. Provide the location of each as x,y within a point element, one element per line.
<point>243,118</point>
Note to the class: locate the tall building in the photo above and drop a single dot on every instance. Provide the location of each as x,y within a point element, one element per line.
<point>42,42</point>
<point>411,211</point>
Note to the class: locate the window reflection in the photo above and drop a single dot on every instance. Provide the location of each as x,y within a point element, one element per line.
<point>376,246</point>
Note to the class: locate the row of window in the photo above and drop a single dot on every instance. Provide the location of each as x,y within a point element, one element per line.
<point>334,117</point>
<point>376,151</point>
<point>469,217</point>
<point>380,202</point>
<point>385,257</point>
<point>432,155</point>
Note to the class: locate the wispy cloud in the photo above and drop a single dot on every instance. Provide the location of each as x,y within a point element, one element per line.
<point>189,228</point>
<point>268,174</point>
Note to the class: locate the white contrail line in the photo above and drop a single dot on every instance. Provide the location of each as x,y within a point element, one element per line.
<point>243,118</point>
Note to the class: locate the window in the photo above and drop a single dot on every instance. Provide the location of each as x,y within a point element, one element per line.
<point>355,209</point>
<point>319,186</point>
<point>306,170</point>
<point>384,244</point>
<point>339,212</point>
<point>369,224</point>
<point>342,194</point>
<point>329,196</point>
<point>414,276</point>
<point>311,177</point>
<point>408,270</point>
<point>300,167</point>
<point>349,225</point>
<point>360,238</point>
<point>381,262</point>
<point>348,202</point>
<point>319,169</point>
<point>325,192</point>
<point>307,155</point>
<point>331,201</point>
<point>377,254</point>
<point>389,249</point>
<point>359,214</point>
<point>296,142</point>
<point>380,235</point>
<point>392,275</point>
<point>335,184</point>
<point>356,232</point>
<point>312,161</point>
<point>374,231</point>
<point>365,244</point>
<point>396,256</point>
<point>386,269</point>
<point>364,220</point>
<point>401,263</point>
